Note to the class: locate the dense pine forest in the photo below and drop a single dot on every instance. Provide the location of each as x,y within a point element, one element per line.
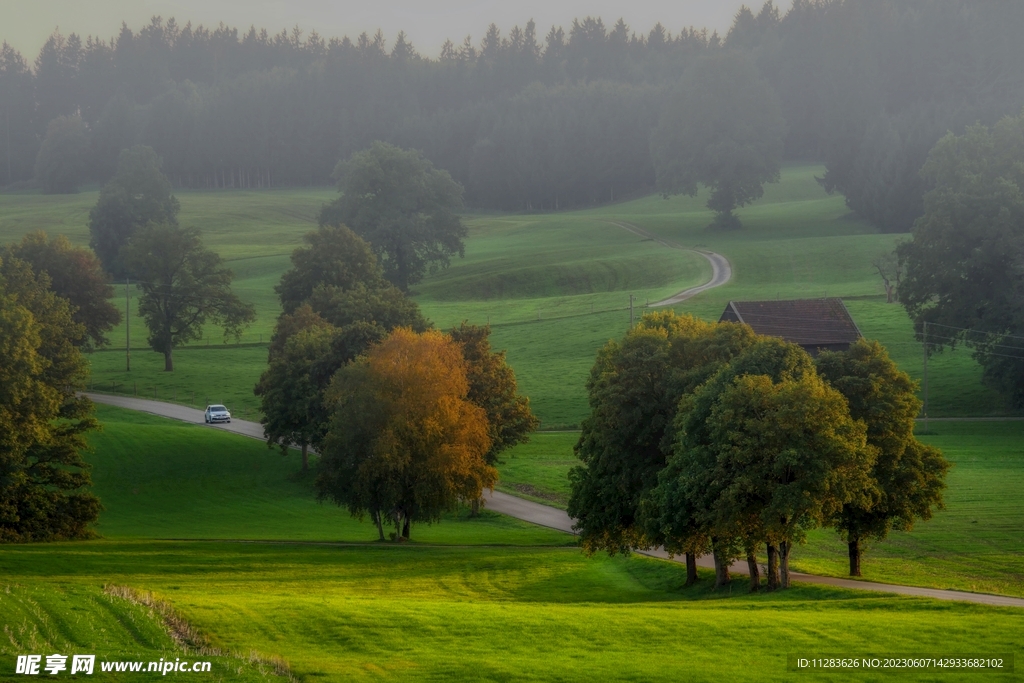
<point>526,118</point>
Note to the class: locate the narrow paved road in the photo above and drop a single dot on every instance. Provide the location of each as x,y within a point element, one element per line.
<point>545,515</point>
<point>721,271</point>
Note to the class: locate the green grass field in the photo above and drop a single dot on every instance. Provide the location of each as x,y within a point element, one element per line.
<point>485,614</point>
<point>230,533</point>
<point>487,599</point>
<point>554,287</point>
<point>160,478</point>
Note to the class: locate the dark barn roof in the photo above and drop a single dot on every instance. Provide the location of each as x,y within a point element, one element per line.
<point>814,324</point>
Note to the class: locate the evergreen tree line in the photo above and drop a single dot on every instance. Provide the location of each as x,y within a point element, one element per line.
<point>522,120</point>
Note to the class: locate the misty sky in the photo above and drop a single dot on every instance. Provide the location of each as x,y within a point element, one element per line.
<point>25,24</point>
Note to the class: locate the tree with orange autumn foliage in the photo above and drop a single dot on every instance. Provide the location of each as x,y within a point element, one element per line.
<point>404,443</point>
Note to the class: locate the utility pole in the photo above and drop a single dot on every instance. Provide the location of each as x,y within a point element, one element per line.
<point>630,311</point>
<point>127,327</point>
<point>925,335</point>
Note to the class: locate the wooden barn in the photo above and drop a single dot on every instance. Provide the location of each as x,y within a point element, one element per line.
<point>814,324</point>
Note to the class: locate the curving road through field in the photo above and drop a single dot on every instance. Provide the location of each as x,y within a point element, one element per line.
<point>554,518</point>
<point>721,270</point>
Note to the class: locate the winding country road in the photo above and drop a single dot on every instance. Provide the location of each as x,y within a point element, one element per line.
<point>721,270</point>
<point>545,515</point>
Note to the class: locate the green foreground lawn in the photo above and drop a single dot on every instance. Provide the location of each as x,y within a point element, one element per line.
<point>409,613</point>
<point>161,478</point>
<point>488,599</point>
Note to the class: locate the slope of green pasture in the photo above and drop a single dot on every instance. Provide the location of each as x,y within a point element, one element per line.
<point>428,613</point>
<point>218,374</point>
<point>798,242</point>
<point>536,279</point>
<point>45,617</point>
<point>539,470</point>
<point>974,544</point>
<point>254,231</point>
<point>555,288</point>
<point>159,478</point>
<point>955,387</point>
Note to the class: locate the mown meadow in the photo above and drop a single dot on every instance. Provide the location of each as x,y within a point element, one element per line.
<point>554,287</point>
<point>230,534</point>
<point>200,518</point>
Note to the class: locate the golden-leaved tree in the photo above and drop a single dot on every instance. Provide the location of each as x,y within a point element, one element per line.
<point>404,443</point>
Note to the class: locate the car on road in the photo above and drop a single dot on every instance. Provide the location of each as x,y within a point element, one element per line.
<point>217,413</point>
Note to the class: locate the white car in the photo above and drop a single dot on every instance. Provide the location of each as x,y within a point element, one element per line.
<point>217,413</point>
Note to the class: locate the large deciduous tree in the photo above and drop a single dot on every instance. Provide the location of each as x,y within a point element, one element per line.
<point>634,389</point>
<point>184,286</point>
<point>62,162</point>
<point>405,444</point>
<point>722,129</point>
<point>963,265</point>
<point>138,194</point>
<point>337,300</point>
<point>75,274</point>
<point>492,386</point>
<point>407,209</point>
<point>335,257</point>
<point>291,402</point>
<point>44,482</point>
<point>763,451</point>
<point>907,475</point>
<point>789,456</point>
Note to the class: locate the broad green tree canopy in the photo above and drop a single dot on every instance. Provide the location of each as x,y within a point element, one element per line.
<point>403,206</point>
<point>138,194</point>
<point>963,265</point>
<point>75,274</point>
<point>183,285</point>
<point>44,482</point>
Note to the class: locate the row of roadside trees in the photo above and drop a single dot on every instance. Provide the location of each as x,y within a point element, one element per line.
<point>707,438</point>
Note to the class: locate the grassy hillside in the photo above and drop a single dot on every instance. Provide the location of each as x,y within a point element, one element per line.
<point>554,287</point>
<point>161,478</point>
<point>402,613</point>
<point>48,613</point>
<point>452,605</point>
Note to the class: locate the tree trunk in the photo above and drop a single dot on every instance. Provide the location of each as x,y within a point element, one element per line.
<point>405,528</point>
<point>397,516</point>
<point>168,361</point>
<point>854,546</point>
<point>755,571</point>
<point>773,567</point>
<point>380,526</point>
<point>474,508</point>
<point>691,569</point>
<point>305,457</point>
<point>784,549</point>
<point>721,567</point>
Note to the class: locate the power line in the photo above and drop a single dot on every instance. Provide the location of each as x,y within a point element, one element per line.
<point>968,329</point>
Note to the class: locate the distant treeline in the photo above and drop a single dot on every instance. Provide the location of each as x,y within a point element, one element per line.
<point>523,120</point>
